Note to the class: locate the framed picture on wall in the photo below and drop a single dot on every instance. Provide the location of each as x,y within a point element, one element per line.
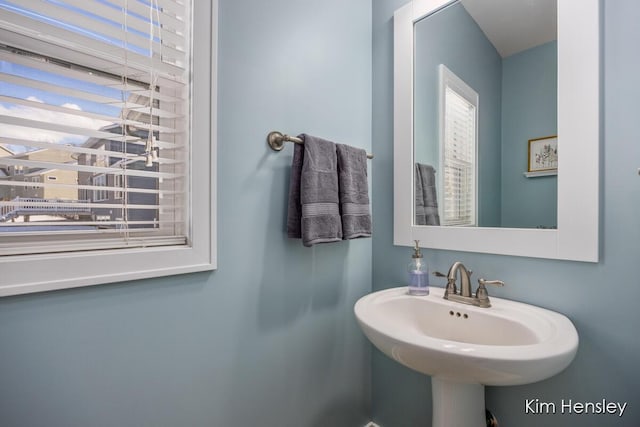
<point>543,154</point>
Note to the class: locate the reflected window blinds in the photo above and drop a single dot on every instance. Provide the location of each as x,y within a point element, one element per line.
<point>459,105</point>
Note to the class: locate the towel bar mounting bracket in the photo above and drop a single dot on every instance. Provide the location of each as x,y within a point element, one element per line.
<point>276,140</point>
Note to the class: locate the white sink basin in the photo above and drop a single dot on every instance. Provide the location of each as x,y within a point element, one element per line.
<point>507,344</point>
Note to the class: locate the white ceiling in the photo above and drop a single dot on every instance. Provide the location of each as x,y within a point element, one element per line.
<point>515,25</point>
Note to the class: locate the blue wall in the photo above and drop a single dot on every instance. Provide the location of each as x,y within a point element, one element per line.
<point>269,338</point>
<point>451,37</point>
<point>529,110</point>
<point>601,299</point>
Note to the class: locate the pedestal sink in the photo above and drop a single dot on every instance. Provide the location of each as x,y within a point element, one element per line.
<point>463,348</point>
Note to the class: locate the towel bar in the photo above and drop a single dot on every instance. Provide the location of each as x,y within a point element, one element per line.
<point>277,139</point>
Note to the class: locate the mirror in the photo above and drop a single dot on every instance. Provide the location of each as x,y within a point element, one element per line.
<point>574,235</point>
<point>485,82</point>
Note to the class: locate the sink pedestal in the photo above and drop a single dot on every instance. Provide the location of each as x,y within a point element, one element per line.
<point>457,404</point>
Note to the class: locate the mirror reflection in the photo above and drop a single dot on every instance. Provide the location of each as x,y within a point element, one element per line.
<point>485,115</point>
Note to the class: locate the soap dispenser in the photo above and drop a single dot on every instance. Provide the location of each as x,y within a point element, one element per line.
<point>418,273</point>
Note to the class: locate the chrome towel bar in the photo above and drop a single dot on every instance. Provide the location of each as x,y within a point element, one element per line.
<point>277,139</point>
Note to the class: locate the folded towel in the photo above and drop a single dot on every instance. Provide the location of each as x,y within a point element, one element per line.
<point>354,192</point>
<point>426,199</point>
<point>294,208</point>
<point>314,213</point>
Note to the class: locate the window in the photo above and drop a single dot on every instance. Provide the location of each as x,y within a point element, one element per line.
<point>118,182</point>
<point>99,185</point>
<point>458,147</point>
<point>108,95</point>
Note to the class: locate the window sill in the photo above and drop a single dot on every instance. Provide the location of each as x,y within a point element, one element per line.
<point>39,273</point>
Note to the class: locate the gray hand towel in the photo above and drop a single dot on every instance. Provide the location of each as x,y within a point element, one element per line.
<point>294,209</point>
<point>314,213</point>
<point>426,199</point>
<point>418,196</point>
<point>354,192</point>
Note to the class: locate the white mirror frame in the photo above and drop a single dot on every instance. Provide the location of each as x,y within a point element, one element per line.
<point>576,237</point>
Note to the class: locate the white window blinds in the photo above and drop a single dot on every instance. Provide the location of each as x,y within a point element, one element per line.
<point>94,118</point>
<point>458,148</point>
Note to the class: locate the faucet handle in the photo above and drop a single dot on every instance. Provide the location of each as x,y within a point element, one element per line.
<point>438,274</point>
<point>483,282</point>
<point>482,295</point>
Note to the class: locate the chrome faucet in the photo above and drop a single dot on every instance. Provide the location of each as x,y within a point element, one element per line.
<point>465,278</point>
<point>481,296</point>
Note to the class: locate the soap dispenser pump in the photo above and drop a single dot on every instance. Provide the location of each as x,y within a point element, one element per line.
<point>418,273</point>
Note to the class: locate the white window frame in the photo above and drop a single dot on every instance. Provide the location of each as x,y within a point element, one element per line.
<point>44,272</point>
<point>118,181</point>
<point>448,79</point>
<point>100,195</point>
